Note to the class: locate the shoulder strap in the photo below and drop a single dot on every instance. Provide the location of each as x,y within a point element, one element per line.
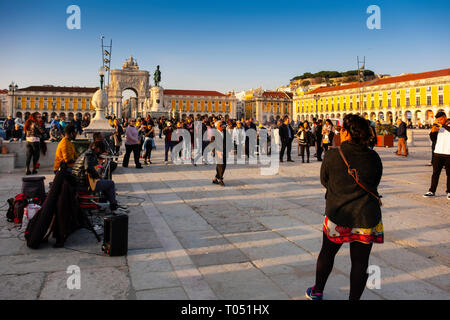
<point>354,174</point>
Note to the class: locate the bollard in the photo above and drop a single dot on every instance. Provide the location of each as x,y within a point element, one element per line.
<point>410,135</point>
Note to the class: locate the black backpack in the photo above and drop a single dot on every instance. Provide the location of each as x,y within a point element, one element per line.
<point>10,212</point>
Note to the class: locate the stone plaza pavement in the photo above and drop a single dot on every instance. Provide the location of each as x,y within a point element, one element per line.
<point>257,238</point>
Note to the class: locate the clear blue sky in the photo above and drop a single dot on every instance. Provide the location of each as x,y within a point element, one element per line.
<point>219,45</point>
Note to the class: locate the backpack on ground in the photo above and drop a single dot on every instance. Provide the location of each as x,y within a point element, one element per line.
<point>10,212</point>
<point>20,202</point>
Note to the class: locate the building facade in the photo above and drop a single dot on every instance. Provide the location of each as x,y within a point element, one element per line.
<point>416,97</point>
<point>267,106</point>
<point>4,103</point>
<point>51,100</point>
<point>150,100</point>
<point>199,102</point>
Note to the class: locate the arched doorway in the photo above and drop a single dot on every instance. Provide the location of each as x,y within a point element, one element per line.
<point>70,116</point>
<point>408,115</point>
<point>130,103</point>
<point>19,114</point>
<point>429,116</point>
<point>365,115</point>
<point>418,118</point>
<point>389,117</point>
<point>380,116</point>
<point>373,116</point>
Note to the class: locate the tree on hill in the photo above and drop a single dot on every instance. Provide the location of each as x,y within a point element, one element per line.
<point>331,74</point>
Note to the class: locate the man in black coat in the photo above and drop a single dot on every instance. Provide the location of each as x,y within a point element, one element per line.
<point>402,137</point>
<point>8,126</point>
<point>286,137</point>
<point>221,154</point>
<point>318,134</point>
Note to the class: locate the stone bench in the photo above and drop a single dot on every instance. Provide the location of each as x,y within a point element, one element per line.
<point>7,162</point>
<point>19,149</point>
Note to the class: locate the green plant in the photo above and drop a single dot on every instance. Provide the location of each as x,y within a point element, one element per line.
<point>386,130</point>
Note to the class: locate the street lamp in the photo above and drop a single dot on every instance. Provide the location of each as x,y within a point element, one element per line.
<point>101,72</point>
<point>317,97</point>
<point>12,88</point>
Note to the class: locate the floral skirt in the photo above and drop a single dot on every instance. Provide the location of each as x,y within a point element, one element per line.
<point>340,234</point>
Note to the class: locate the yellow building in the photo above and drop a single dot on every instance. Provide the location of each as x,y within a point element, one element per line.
<point>267,106</point>
<point>416,97</point>
<point>200,102</point>
<point>51,101</point>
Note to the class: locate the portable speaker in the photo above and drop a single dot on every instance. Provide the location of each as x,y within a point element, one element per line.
<point>33,187</point>
<point>115,237</point>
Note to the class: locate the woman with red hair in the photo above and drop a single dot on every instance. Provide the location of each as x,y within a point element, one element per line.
<point>33,134</point>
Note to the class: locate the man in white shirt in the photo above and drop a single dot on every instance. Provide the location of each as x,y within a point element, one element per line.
<point>440,134</point>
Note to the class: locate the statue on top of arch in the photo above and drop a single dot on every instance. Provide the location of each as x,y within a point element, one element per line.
<point>131,63</point>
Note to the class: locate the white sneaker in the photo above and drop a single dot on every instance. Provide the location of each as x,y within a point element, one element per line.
<point>429,194</point>
<point>448,196</point>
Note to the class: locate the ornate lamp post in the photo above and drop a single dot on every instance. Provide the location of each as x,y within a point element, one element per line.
<point>317,97</point>
<point>100,102</point>
<point>12,88</point>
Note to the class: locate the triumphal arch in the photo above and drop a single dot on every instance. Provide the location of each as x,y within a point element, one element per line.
<point>148,99</point>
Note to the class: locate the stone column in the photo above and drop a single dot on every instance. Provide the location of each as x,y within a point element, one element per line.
<point>119,109</point>
<point>10,110</point>
<point>410,136</point>
<point>259,110</point>
<point>233,114</point>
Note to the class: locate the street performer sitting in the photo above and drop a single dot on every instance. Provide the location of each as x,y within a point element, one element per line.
<point>87,176</point>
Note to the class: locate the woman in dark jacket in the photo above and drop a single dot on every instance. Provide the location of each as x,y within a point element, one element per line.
<point>33,134</point>
<point>305,140</point>
<point>353,214</point>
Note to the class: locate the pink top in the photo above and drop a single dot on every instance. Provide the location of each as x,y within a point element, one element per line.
<point>132,136</point>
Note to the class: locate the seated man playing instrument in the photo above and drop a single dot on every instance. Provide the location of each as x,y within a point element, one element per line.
<point>87,176</point>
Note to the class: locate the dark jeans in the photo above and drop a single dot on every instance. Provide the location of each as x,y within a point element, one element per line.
<point>286,145</point>
<point>33,151</point>
<point>108,188</point>
<point>319,152</point>
<point>304,147</point>
<point>128,149</point>
<point>220,170</point>
<point>439,161</point>
<point>168,146</point>
<point>148,150</point>
<point>359,255</point>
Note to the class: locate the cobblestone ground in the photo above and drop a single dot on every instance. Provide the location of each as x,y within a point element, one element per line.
<point>257,238</point>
